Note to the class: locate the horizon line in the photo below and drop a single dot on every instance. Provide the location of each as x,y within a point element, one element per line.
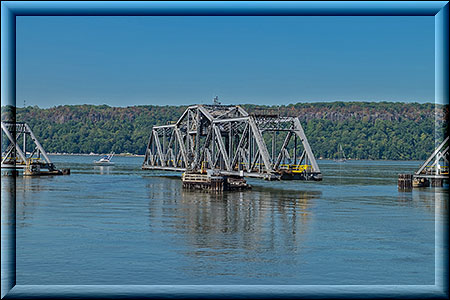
<point>198,103</point>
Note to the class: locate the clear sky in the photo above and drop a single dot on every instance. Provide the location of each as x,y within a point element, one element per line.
<point>124,61</point>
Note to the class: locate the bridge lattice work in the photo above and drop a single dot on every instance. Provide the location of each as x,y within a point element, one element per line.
<point>230,141</point>
<point>21,148</point>
<point>436,166</point>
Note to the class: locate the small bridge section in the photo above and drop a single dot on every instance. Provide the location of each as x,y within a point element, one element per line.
<point>435,167</point>
<point>229,141</point>
<point>22,150</point>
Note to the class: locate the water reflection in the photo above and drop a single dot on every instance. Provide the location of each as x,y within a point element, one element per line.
<point>102,170</point>
<point>220,227</point>
<point>432,199</point>
<point>138,227</point>
<point>8,233</point>
<point>27,190</point>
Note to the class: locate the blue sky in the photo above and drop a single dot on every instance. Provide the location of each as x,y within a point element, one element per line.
<point>124,61</point>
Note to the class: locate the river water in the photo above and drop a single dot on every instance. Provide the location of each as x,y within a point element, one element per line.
<point>123,225</point>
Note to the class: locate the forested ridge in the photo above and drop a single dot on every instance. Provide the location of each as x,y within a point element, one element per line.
<point>366,130</point>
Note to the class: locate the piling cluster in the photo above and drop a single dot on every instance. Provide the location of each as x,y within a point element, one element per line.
<point>405,181</point>
<point>409,181</point>
<point>209,182</point>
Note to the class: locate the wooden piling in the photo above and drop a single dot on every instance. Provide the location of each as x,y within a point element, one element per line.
<point>215,183</point>
<point>405,181</point>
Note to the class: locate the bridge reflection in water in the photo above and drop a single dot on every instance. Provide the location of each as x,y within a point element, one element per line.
<point>264,225</point>
<point>8,236</point>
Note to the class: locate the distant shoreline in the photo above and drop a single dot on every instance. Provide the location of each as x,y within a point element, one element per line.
<point>142,155</point>
<point>322,102</point>
<point>367,130</point>
<point>98,154</point>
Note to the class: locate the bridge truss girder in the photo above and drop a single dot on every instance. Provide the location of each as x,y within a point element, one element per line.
<point>438,162</point>
<point>16,137</point>
<point>230,141</point>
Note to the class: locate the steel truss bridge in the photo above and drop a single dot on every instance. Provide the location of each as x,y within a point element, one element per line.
<point>16,138</point>
<point>436,166</point>
<point>229,141</point>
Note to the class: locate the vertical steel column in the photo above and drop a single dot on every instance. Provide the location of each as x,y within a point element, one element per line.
<point>230,142</point>
<point>295,149</point>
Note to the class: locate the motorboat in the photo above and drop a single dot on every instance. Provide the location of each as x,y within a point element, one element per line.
<point>105,160</point>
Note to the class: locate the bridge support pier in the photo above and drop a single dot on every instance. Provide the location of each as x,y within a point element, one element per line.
<point>215,183</point>
<point>405,181</point>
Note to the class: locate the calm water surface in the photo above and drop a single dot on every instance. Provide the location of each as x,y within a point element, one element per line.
<point>122,225</point>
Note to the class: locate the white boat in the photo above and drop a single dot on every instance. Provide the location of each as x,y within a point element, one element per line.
<point>104,160</point>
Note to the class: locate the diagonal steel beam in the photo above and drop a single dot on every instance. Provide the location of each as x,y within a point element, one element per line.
<point>181,144</point>
<point>205,113</point>
<point>222,147</point>
<point>260,143</point>
<point>148,151</point>
<point>7,153</point>
<point>169,145</point>
<point>242,111</point>
<point>255,159</point>
<point>242,141</point>
<point>226,113</point>
<point>440,155</point>
<point>208,157</point>
<point>432,156</point>
<point>280,155</point>
<point>12,140</point>
<point>204,148</point>
<point>158,148</point>
<point>38,145</point>
<point>301,134</point>
<point>244,155</point>
<point>301,157</point>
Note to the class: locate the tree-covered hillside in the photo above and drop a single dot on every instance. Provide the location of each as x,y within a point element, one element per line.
<point>365,130</point>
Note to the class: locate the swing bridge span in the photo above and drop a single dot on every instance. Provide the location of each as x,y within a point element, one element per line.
<point>226,140</point>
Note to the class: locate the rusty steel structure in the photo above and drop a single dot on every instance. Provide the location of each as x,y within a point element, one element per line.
<point>228,141</point>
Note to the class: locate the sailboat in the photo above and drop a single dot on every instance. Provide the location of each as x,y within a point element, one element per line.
<point>341,155</point>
